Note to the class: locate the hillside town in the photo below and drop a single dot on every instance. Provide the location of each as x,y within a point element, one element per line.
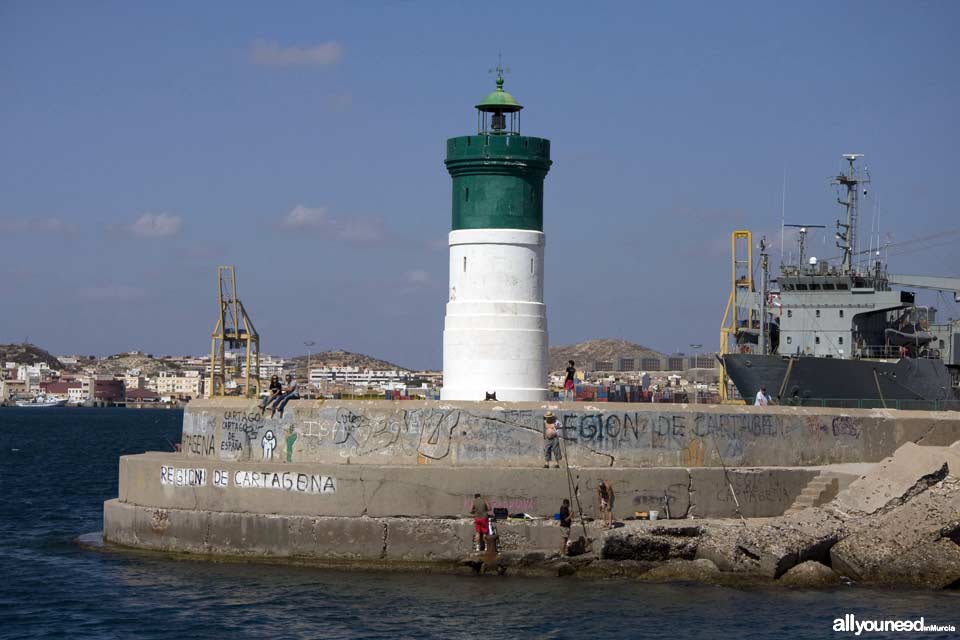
<point>606,370</point>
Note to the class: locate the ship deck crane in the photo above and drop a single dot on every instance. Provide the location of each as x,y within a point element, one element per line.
<point>934,283</point>
<point>234,331</point>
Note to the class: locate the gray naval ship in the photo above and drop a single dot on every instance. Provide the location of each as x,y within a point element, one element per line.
<point>845,334</point>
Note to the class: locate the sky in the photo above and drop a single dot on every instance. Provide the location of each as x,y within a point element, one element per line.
<point>143,144</point>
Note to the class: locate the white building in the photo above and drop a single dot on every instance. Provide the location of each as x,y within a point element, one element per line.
<point>356,377</point>
<point>167,384</point>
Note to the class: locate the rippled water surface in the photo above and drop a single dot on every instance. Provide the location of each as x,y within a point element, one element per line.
<point>57,466</point>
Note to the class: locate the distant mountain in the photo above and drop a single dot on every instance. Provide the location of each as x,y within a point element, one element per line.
<point>28,354</point>
<point>341,358</point>
<point>585,354</point>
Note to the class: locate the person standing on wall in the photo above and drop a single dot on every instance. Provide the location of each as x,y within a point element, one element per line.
<point>551,441</point>
<point>569,384</point>
<point>763,399</point>
<point>481,521</point>
<point>565,522</point>
<point>605,503</point>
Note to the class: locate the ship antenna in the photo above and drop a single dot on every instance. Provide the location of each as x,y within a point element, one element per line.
<point>847,232</point>
<point>783,212</point>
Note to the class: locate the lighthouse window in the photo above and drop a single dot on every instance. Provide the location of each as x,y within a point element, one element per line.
<point>818,313</point>
<point>841,313</point>
<point>466,194</point>
<point>789,339</point>
<point>464,264</point>
<point>789,313</point>
<point>817,340</point>
<point>840,340</point>
<point>531,265</point>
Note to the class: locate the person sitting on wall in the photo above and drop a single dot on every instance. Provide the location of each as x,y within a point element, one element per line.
<point>551,440</point>
<point>275,390</point>
<point>289,393</point>
<point>481,521</point>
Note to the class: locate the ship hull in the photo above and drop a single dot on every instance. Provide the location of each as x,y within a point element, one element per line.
<point>837,379</point>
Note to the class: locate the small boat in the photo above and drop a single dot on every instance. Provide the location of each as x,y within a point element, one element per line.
<point>40,402</point>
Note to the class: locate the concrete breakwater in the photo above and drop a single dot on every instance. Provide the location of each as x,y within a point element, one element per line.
<point>484,434</point>
<point>390,483</point>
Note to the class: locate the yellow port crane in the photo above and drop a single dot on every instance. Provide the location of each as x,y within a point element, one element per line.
<point>234,331</point>
<point>737,314</point>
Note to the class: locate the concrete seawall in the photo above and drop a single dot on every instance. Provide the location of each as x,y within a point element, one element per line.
<point>381,481</point>
<point>169,481</point>
<point>488,434</point>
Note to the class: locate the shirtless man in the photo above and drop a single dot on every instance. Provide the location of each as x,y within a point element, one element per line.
<point>551,440</point>
<point>481,521</point>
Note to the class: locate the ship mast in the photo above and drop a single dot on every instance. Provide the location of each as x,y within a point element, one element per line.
<point>847,232</point>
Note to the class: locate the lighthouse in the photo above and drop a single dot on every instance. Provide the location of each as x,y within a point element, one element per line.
<point>495,329</point>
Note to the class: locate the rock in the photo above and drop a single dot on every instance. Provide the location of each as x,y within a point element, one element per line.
<point>565,569</point>
<point>647,545</point>
<point>810,574</point>
<point>908,472</point>
<point>701,570</point>
<point>577,547</point>
<point>914,544</point>
<point>770,548</point>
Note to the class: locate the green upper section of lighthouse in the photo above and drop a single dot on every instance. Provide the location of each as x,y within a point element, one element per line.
<point>499,100</point>
<point>498,173</point>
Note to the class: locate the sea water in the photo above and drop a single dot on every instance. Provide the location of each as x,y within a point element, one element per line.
<point>57,466</point>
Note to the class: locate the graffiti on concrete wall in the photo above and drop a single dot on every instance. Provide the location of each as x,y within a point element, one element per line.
<point>268,443</point>
<point>421,432</point>
<point>285,481</point>
<point>239,430</point>
<point>181,477</point>
<point>292,481</point>
<point>756,488</point>
<point>424,434</point>
<point>199,434</point>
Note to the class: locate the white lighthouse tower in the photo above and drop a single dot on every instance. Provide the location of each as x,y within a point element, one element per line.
<point>495,330</point>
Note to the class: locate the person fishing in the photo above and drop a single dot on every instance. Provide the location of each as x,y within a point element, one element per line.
<point>605,503</point>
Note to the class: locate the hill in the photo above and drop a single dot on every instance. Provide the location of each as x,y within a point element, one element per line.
<point>585,354</point>
<point>120,363</point>
<point>341,358</point>
<point>28,354</point>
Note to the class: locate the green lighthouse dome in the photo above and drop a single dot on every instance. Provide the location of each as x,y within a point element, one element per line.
<point>499,100</point>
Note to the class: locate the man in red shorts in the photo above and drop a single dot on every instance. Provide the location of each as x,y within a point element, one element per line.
<point>481,521</point>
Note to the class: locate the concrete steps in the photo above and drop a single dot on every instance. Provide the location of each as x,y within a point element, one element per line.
<point>823,488</point>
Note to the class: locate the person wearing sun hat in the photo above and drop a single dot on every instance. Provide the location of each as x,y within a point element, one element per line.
<point>551,440</point>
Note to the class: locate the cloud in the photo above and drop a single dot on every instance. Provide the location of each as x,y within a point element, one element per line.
<point>355,230</point>
<point>271,54</point>
<point>36,225</point>
<point>418,277</point>
<point>111,292</point>
<point>155,225</point>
